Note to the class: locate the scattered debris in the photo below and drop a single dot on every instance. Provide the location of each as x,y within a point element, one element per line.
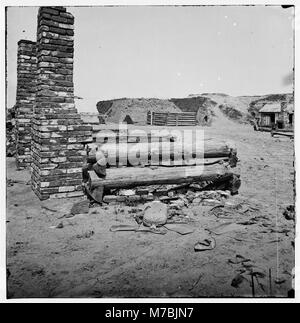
<point>80,207</point>
<point>85,235</point>
<point>215,207</point>
<point>127,192</point>
<point>48,208</point>
<point>38,272</point>
<point>11,182</point>
<point>238,260</point>
<point>205,244</point>
<point>237,280</point>
<point>152,229</point>
<point>177,204</point>
<point>99,169</point>
<point>123,227</point>
<point>248,222</point>
<point>211,202</point>
<point>60,225</point>
<point>134,210</point>
<point>225,228</point>
<point>279,281</point>
<point>66,216</point>
<point>180,228</point>
<point>196,282</point>
<point>258,274</point>
<point>155,213</point>
<point>135,228</point>
<point>177,195</point>
<point>289,212</point>
<point>279,230</point>
<point>178,219</point>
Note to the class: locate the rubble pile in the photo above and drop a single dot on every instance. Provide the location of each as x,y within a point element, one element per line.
<point>170,194</point>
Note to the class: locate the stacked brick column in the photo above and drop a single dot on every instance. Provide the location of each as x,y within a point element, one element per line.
<point>58,133</point>
<point>26,88</point>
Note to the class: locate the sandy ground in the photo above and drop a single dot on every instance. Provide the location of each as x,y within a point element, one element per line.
<point>47,262</point>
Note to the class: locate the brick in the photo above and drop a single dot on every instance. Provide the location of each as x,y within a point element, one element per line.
<point>58,151</point>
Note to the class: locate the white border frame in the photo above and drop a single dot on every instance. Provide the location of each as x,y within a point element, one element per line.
<point>70,3</point>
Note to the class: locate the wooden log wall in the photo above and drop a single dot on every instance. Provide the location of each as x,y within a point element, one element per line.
<point>171,119</point>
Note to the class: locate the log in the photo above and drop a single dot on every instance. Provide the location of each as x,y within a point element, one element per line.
<point>206,161</point>
<point>156,153</point>
<point>132,137</point>
<point>281,133</point>
<point>132,177</point>
<point>261,128</point>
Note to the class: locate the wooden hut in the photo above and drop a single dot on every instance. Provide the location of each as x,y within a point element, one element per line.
<point>278,115</point>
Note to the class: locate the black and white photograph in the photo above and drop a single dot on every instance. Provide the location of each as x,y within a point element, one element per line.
<point>149,151</point>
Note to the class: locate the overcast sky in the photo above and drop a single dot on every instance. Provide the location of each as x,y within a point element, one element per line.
<point>169,51</point>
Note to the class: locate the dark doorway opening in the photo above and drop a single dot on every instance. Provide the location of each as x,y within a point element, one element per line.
<point>280,124</point>
<point>272,117</point>
<point>128,119</point>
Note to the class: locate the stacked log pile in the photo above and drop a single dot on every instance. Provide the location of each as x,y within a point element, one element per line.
<point>58,133</point>
<point>26,88</point>
<point>209,165</point>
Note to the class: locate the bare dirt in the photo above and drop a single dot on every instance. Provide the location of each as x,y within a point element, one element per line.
<point>85,259</point>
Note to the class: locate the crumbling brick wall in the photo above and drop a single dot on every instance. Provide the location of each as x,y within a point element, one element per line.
<point>25,99</point>
<point>58,133</point>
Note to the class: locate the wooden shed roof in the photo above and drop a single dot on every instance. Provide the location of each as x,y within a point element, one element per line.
<point>271,108</point>
<point>290,108</point>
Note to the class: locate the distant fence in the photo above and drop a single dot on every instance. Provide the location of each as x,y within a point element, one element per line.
<point>171,119</point>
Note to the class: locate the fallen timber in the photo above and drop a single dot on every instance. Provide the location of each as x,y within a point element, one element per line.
<point>135,176</point>
<point>218,177</point>
<point>168,154</point>
<point>184,162</point>
<point>289,134</point>
<point>263,129</point>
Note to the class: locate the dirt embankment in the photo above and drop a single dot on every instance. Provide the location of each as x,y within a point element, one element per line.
<point>117,110</point>
<point>241,109</point>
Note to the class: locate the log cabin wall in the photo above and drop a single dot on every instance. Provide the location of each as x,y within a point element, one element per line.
<point>25,99</point>
<point>58,133</point>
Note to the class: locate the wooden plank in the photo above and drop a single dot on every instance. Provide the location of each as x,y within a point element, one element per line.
<point>285,134</point>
